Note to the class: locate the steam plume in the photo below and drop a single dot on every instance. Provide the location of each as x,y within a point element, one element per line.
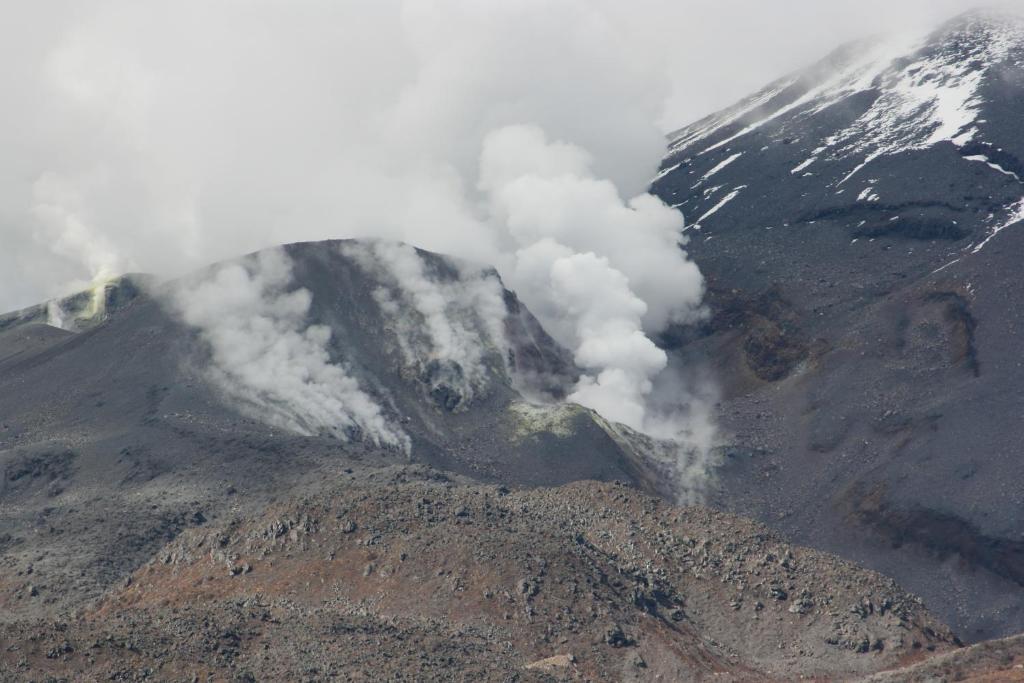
<point>450,324</point>
<point>597,271</point>
<point>521,135</point>
<point>267,359</point>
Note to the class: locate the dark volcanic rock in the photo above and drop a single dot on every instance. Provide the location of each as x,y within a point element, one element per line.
<point>115,435</point>
<point>859,224</point>
<point>451,581</point>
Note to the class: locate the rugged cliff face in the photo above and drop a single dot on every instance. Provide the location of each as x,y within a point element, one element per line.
<point>859,224</point>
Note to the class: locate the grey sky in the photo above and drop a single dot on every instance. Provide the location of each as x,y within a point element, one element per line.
<point>722,50</point>
<point>157,136</point>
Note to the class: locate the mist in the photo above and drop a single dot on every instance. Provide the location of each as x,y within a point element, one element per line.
<point>158,137</point>
<point>523,135</point>
<point>268,360</point>
<point>719,51</point>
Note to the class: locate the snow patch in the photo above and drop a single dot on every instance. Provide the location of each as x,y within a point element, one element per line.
<point>804,165</point>
<point>1016,216</point>
<point>868,195</point>
<point>720,166</point>
<point>985,160</point>
<point>713,210</point>
<point>664,172</point>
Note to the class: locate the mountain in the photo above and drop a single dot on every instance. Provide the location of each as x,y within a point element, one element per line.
<point>860,227</point>
<point>405,573</point>
<point>355,459</point>
<point>136,426</point>
<point>173,505</point>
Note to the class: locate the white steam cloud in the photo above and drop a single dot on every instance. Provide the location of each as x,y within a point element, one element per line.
<point>158,137</point>
<point>597,271</point>
<point>266,358</point>
<point>448,324</point>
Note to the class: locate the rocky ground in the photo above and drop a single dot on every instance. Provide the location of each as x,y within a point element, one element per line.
<point>408,574</point>
<point>995,661</point>
<point>866,310</point>
<point>868,358</point>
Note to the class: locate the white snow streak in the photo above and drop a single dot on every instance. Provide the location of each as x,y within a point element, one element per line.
<point>664,172</point>
<point>868,195</point>
<point>804,165</point>
<point>985,160</point>
<point>711,212</point>
<point>1016,216</point>
<point>720,166</point>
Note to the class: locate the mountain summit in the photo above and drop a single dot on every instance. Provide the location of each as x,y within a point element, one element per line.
<point>869,134</point>
<point>859,224</point>
<point>320,444</point>
<point>357,459</point>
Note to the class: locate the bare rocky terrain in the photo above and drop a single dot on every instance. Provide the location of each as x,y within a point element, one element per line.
<point>994,661</point>
<point>405,573</point>
<point>152,531</point>
<point>860,227</point>
<point>861,254</point>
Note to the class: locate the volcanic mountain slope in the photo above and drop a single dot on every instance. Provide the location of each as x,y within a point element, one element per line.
<point>859,224</point>
<point>115,438</point>
<point>407,574</point>
<point>169,513</point>
<point>994,661</point>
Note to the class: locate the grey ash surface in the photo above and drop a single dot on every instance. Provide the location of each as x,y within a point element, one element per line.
<point>407,573</point>
<point>867,337</point>
<point>113,441</point>
<point>866,333</point>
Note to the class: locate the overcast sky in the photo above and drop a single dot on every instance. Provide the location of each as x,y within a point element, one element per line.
<point>158,136</point>
<point>722,50</point>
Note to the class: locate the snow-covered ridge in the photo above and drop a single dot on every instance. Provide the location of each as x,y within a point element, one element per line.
<point>847,71</point>
<point>928,91</point>
<point>686,137</point>
<point>878,98</point>
<point>932,95</point>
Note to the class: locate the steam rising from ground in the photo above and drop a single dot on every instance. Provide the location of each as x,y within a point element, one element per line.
<point>445,326</point>
<point>597,271</point>
<point>521,135</point>
<point>269,360</point>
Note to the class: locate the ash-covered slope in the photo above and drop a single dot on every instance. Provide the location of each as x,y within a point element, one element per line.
<point>211,478</point>
<point>82,310</point>
<point>262,376</point>
<point>915,137</point>
<point>407,574</point>
<point>859,224</point>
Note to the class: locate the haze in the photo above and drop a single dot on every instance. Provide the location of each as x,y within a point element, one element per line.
<point>160,136</point>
